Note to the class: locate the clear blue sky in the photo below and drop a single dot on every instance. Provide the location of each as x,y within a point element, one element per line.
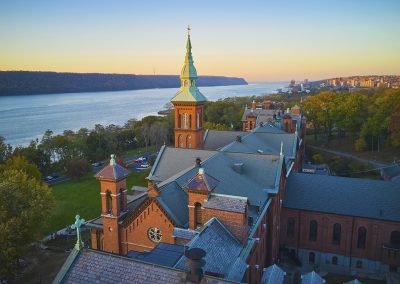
<point>258,40</point>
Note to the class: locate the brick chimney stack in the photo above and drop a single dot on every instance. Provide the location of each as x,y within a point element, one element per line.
<point>195,264</point>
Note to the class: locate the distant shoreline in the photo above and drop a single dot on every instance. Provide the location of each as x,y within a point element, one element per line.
<point>19,83</point>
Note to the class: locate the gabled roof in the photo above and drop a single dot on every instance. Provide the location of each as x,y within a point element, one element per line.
<point>171,161</point>
<point>163,254</point>
<point>273,275</point>
<point>216,139</point>
<point>312,278</point>
<point>337,195</point>
<point>174,200</point>
<point>112,171</point>
<point>189,94</point>
<point>221,248</point>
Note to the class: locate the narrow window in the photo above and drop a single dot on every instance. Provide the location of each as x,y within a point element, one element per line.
<point>395,238</point>
<point>179,121</point>
<point>121,200</point>
<point>311,258</point>
<point>313,231</point>
<point>190,121</point>
<point>185,120</point>
<point>334,260</point>
<point>290,228</point>
<point>362,237</point>
<point>337,230</point>
<point>359,264</point>
<point>180,142</point>
<point>108,202</point>
<point>189,141</point>
<point>197,214</point>
<point>198,120</point>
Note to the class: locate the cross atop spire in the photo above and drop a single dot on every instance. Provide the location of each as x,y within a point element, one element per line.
<point>188,29</point>
<point>77,225</point>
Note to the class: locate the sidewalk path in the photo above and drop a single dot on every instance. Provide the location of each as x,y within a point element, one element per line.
<point>347,155</point>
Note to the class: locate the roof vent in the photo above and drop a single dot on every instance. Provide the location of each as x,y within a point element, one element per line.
<point>239,138</point>
<point>238,167</point>
<point>198,162</point>
<point>260,151</point>
<point>195,264</point>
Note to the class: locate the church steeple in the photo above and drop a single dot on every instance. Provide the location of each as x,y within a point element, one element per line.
<point>189,105</point>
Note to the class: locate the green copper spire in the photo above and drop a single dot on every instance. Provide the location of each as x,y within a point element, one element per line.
<point>188,91</point>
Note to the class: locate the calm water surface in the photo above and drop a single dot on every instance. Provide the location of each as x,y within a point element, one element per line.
<point>23,118</point>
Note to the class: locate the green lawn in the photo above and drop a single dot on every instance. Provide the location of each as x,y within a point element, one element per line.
<point>137,151</point>
<point>83,198</point>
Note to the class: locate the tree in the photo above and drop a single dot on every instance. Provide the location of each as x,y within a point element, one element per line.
<point>21,164</point>
<point>394,127</point>
<point>77,168</point>
<point>25,205</point>
<point>5,150</point>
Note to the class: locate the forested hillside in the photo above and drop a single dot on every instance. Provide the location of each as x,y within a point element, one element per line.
<point>30,83</point>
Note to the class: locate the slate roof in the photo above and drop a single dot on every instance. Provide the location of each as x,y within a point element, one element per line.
<point>258,175</point>
<point>202,181</point>
<point>273,275</point>
<point>216,139</point>
<point>90,266</point>
<point>171,161</point>
<point>174,200</point>
<point>338,195</point>
<point>163,254</point>
<point>189,94</point>
<point>312,278</point>
<point>113,171</point>
<point>268,128</point>
<point>221,248</point>
<point>256,112</point>
<point>226,203</point>
<point>186,234</point>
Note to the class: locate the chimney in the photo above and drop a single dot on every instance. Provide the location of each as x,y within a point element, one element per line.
<point>195,263</point>
<point>198,162</point>
<point>238,167</point>
<point>253,104</point>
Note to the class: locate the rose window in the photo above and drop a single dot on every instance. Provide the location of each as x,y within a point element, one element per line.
<point>154,234</point>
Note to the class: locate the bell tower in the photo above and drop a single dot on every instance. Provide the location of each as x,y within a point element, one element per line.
<point>189,106</point>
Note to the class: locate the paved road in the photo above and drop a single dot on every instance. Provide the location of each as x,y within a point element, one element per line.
<point>347,155</point>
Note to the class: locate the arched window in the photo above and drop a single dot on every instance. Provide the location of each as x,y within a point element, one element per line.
<point>180,142</point>
<point>121,200</point>
<point>185,83</point>
<point>359,264</point>
<point>337,231</point>
<point>361,238</point>
<point>395,238</point>
<point>334,260</point>
<point>313,231</point>
<point>198,120</point>
<point>179,121</point>
<point>197,214</point>
<point>192,83</point>
<point>185,120</point>
<point>188,141</point>
<point>311,257</point>
<point>290,227</point>
<point>190,121</point>
<point>108,202</point>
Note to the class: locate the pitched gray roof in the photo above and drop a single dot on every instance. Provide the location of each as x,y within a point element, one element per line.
<point>186,234</point>
<point>173,160</point>
<point>257,112</point>
<point>221,248</point>
<point>312,278</point>
<point>268,128</point>
<point>113,172</point>
<point>175,200</point>
<point>226,203</point>
<point>273,275</point>
<point>345,196</point>
<point>90,266</point>
<point>216,139</point>
<point>258,175</point>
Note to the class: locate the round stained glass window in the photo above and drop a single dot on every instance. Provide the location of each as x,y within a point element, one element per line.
<point>154,234</point>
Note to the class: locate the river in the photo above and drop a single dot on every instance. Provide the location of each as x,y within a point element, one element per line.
<point>23,118</point>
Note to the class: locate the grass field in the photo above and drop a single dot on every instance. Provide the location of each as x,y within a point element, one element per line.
<point>83,198</point>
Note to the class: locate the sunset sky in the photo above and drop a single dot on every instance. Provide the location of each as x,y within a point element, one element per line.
<point>258,40</point>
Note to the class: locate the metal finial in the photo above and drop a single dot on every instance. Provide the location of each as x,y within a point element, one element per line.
<point>188,29</point>
<point>281,148</point>
<point>112,160</point>
<point>77,225</point>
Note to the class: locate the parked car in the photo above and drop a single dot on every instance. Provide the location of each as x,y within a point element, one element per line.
<point>97,164</point>
<point>48,178</point>
<point>140,159</point>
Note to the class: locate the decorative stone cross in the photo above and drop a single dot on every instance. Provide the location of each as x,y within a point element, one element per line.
<point>77,225</point>
<point>188,28</point>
